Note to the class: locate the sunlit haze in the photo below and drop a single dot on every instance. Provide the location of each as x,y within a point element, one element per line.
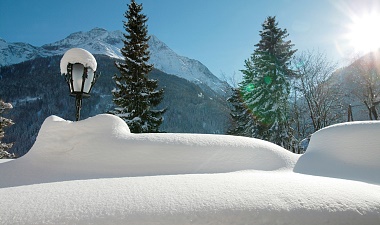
<point>364,33</point>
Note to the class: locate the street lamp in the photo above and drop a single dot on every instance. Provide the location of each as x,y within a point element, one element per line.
<point>79,68</point>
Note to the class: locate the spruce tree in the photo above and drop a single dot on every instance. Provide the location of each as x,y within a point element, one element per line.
<point>266,83</point>
<point>242,121</point>
<point>4,122</point>
<point>136,96</point>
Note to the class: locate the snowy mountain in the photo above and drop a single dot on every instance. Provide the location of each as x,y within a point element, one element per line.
<point>96,41</point>
<point>101,41</point>
<point>192,70</point>
<point>12,53</point>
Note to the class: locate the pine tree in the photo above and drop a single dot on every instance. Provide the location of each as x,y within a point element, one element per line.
<point>266,83</point>
<point>243,123</point>
<point>4,122</point>
<point>135,94</point>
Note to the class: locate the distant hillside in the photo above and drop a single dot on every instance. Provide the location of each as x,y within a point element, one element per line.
<point>37,90</point>
<point>353,86</point>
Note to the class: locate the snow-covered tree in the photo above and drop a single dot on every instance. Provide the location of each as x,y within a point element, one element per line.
<point>364,73</point>
<point>319,95</point>
<point>135,95</point>
<point>4,122</point>
<point>242,121</point>
<point>266,83</point>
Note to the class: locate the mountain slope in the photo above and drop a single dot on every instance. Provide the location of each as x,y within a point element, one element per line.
<point>166,60</point>
<point>356,81</point>
<point>12,53</point>
<point>36,90</point>
<point>101,41</point>
<point>96,41</point>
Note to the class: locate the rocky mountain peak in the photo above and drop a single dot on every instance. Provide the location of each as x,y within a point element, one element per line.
<point>101,41</point>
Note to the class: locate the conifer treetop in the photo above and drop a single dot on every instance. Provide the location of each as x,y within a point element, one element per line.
<point>136,48</point>
<point>266,83</point>
<point>136,96</point>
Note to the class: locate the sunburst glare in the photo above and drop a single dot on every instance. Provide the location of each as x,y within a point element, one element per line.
<point>364,33</point>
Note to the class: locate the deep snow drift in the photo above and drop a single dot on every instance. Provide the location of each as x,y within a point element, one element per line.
<point>347,150</point>
<point>103,146</point>
<point>96,172</point>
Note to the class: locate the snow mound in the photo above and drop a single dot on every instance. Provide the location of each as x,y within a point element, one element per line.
<point>78,55</point>
<point>103,147</point>
<point>347,150</point>
<point>96,172</point>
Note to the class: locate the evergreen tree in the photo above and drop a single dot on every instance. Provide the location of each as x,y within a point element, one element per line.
<point>4,122</point>
<point>243,123</point>
<point>135,94</point>
<point>266,84</point>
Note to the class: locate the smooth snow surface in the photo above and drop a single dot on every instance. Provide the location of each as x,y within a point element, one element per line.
<point>5,160</point>
<point>78,55</point>
<point>96,172</point>
<point>103,146</point>
<point>347,150</point>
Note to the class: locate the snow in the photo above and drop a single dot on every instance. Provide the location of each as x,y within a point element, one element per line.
<point>5,160</point>
<point>77,55</point>
<point>96,172</point>
<point>166,60</point>
<point>6,106</point>
<point>25,100</point>
<point>336,152</point>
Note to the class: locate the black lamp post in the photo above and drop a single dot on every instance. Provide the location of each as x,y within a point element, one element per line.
<point>79,68</point>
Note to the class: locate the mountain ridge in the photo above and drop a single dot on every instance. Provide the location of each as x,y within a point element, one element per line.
<point>109,43</point>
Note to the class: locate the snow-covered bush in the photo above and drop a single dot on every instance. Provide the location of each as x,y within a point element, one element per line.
<point>4,122</point>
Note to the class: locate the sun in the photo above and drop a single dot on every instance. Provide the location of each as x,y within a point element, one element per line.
<point>364,33</point>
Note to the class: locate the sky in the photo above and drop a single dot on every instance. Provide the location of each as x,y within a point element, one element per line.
<point>219,33</point>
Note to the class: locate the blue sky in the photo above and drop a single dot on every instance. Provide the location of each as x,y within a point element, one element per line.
<point>219,33</point>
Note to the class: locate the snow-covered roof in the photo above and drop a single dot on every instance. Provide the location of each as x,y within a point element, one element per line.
<point>96,172</point>
<point>78,55</point>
